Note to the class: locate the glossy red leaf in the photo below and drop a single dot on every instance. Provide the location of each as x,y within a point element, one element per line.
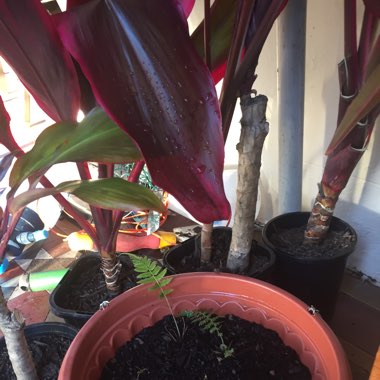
<point>74,3</point>
<point>373,6</point>
<point>187,5</point>
<point>145,73</point>
<point>31,46</point>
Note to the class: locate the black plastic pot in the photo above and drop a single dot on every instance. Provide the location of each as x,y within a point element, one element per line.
<point>50,328</point>
<point>315,280</point>
<point>59,294</point>
<point>191,247</point>
<point>57,298</point>
<point>45,329</point>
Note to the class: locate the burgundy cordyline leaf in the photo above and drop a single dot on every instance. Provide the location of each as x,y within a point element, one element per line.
<point>30,44</point>
<point>74,3</point>
<point>146,74</point>
<point>373,6</point>
<point>6,137</point>
<point>187,5</point>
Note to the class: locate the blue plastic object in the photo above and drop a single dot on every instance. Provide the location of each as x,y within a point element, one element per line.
<point>4,265</point>
<point>31,237</point>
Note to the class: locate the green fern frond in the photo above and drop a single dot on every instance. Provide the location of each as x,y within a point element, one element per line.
<point>165,292</point>
<point>149,272</point>
<point>211,323</point>
<point>207,321</point>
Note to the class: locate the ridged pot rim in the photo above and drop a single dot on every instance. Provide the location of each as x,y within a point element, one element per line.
<point>222,293</point>
<point>279,252</point>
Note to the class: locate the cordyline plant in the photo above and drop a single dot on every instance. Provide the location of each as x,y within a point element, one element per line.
<point>359,107</point>
<point>127,55</point>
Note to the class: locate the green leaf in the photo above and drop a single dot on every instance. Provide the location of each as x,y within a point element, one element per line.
<point>147,281</point>
<point>110,193</point>
<point>155,286</point>
<point>165,281</point>
<point>143,275</point>
<point>165,292</point>
<point>367,99</point>
<point>156,272</point>
<point>223,13</point>
<point>97,138</point>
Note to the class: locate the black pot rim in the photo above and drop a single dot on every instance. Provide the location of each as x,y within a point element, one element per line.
<point>192,240</point>
<point>48,328</point>
<point>306,214</point>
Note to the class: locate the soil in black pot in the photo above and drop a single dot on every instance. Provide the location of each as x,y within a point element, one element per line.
<point>47,351</point>
<point>252,352</point>
<point>221,240</point>
<point>291,241</point>
<point>88,290</point>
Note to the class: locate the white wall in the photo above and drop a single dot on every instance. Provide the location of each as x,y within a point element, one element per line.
<point>358,204</point>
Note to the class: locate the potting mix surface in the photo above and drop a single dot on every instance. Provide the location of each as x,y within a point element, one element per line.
<point>87,290</point>
<point>291,241</point>
<point>47,352</point>
<point>158,352</point>
<point>191,261</point>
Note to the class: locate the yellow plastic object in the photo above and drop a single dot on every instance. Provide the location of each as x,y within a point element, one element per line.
<point>167,239</point>
<point>78,241</point>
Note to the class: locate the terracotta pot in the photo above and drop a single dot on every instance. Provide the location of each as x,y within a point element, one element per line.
<point>253,300</point>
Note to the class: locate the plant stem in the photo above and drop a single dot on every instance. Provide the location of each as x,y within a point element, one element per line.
<point>206,243</point>
<point>206,34</point>
<point>254,129</point>
<point>111,267</point>
<point>170,309</point>
<point>8,232</point>
<point>12,326</point>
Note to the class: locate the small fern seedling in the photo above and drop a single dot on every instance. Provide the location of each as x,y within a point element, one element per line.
<point>151,273</point>
<point>211,323</point>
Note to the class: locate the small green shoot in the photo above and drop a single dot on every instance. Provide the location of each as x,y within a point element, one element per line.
<point>211,323</point>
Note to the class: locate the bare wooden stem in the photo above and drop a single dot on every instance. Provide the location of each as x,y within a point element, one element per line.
<point>206,243</point>
<point>12,326</point>
<point>254,129</point>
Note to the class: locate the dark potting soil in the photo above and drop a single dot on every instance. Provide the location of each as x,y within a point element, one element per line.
<point>88,289</point>
<point>48,353</point>
<point>220,246</point>
<point>158,353</point>
<point>291,241</point>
